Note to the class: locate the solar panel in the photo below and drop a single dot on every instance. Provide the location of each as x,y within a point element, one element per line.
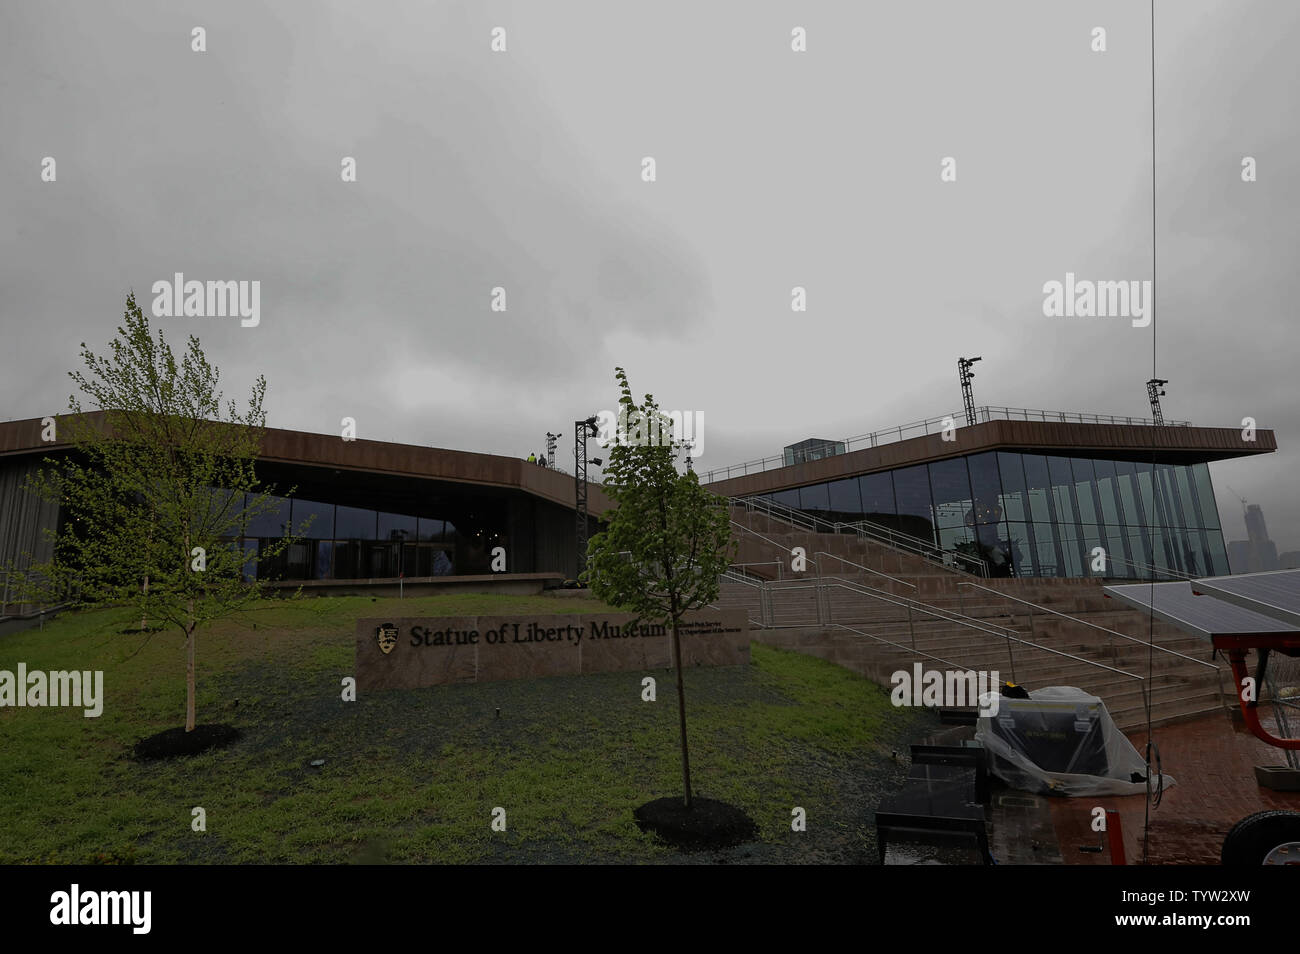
<point>1204,616</point>
<point>1275,594</point>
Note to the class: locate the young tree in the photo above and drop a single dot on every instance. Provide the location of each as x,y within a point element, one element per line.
<point>668,539</point>
<point>156,489</point>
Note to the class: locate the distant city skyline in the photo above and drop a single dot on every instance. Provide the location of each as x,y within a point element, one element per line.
<point>1258,552</point>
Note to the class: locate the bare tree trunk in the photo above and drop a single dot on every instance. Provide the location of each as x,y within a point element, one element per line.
<point>144,620</point>
<point>190,640</point>
<point>681,713</point>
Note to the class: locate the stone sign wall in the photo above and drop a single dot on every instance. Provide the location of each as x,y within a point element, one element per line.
<point>413,652</point>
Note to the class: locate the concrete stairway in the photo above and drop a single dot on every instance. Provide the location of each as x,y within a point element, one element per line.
<point>914,608</point>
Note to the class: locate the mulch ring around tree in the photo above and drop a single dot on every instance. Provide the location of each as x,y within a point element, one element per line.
<point>708,823</point>
<point>175,743</point>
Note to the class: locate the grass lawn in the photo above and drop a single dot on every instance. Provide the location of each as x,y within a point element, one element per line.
<point>414,775</point>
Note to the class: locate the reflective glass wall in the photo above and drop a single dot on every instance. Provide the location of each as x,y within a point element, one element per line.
<point>1040,515</point>
<point>349,543</point>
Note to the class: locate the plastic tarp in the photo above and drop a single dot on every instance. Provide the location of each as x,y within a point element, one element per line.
<point>1061,741</point>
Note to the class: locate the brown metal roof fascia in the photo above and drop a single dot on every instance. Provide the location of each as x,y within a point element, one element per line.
<point>407,460</point>
<point>1131,441</point>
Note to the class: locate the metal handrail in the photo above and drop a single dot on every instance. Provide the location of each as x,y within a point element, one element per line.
<point>916,545</point>
<point>777,563</point>
<point>763,596</point>
<point>982,415</point>
<point>906,649</point>
<point>806,521</point>
<point>1167,571</point>
<point>872,591</point>
<point>1023,642</point>
<point>1143,642</point>
<point>859,566</point>
<point>770,541</point>
<point>938,613</point>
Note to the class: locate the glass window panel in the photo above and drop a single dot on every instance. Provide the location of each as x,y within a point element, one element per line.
<point>1049,558</point>
<point>953,537</point>
<point>396,526</point>
<point>1119,561</point>
<point>846,502</point>
<point>324,554</point>
<point>1218,553</point>
<point>1177,539</point>
<point>986,487</point>
<point>353,523</point>
<point>995,549</point>
<point>1126,480</point>
<point>1162,552</point>
<point>1150,516</point>
<point>250,559</point>
<point>269,522</point>
<point>1084,489</point>
<point>1107,492</point>
<point>1013,500</point>
<point>950,484</point>
<point>347,559</point>
<point>877,494</point>
<point>313,520</point>
<point>1063,490</point>
<point>1022,549</point>
<point>1038,485</point>
<point>1199,553</point>
<point>269,567</point>
<point>815,499</point>
<point>442,563</point>
<point>912,489</point>
<point>1071,549</point>
<point>380,560</point>
<point>219,510</point>
<point>1139,548</point>
<point>1209,508</point>
<point>300,560</point>
<point>1092,539</point>
<point>430,530</point>
<point>1190,516</point>
<point>787,498</point>
<point>1169,497</point>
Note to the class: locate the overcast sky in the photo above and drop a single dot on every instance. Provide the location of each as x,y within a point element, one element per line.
<point>523,169</point>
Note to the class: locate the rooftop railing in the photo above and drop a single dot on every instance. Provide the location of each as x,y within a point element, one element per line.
<point>936,425</point>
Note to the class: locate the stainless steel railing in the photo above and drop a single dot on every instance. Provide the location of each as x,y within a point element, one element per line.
<point>917,546</point>
<point>935,425</point>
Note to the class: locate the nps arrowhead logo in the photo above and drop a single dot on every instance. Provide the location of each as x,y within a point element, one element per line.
<point>387,636</point>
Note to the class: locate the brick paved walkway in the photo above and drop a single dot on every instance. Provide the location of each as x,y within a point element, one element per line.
<point>1212,762</point>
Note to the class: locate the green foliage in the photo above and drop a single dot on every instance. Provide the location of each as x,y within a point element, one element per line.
<point>155,487</point>
<point>668,539</point>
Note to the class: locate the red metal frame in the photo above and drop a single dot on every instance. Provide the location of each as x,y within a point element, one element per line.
<point>1115,835</point>
<point>1287,644</point>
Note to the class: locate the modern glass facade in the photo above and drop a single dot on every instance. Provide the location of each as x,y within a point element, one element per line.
<point>348,543</point>
<point>1039,515</point>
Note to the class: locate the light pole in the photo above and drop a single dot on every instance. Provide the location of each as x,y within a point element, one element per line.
<point>967,396</point>
<point>581,431</point>
<point>1155,388</point>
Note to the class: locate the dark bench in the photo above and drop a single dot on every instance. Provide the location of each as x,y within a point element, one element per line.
<point>967,755</point>
<point>941,799</point>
